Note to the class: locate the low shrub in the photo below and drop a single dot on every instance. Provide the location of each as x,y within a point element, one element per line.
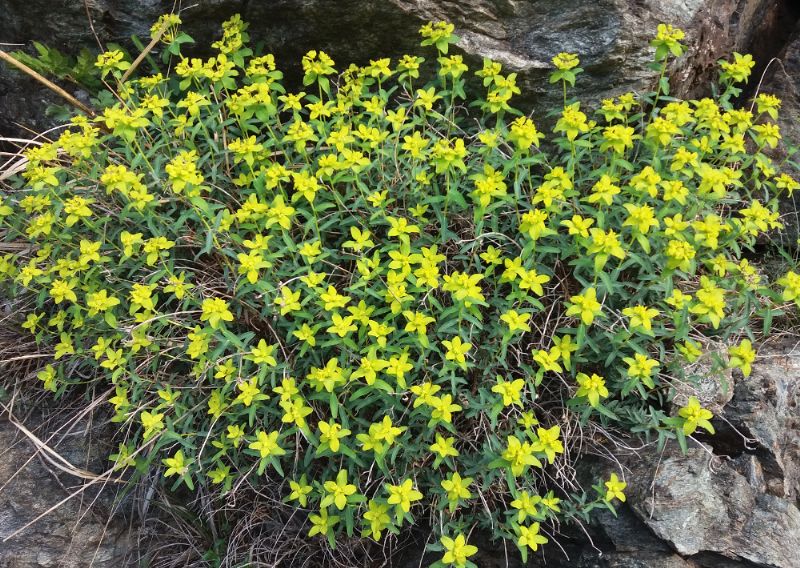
<point>400,301</point>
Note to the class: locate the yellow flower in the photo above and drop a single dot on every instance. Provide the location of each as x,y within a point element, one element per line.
<point>641,367</point>
<point>113,359</point>
<point>443,408</point>
<point>646,181</point>
<point>331,433</point>
<point>267,444</point>
<point>369,368</point>
<point>176,465</point>
<point>530,537</point>
<point>526,505</point>
<point>511,392</point>
<point>786,182</point>
<point>710,302</point>
<point>263,354</point>
<point>585,306</point>
<point>62,290</point>
<point>305,333</point>
<point>604,244</point>
<point>578,226</point>
<point>183,173</point>
<point>403,495</point>
<point>572,121</point>
<point>178,285</point>
<point>215,310</point>
<point>738,70</point>
<point>417,322</point>
<point>742,356</point>
<point>640,217</point>
<point>592,387</point>
<point>457,551</point>
<point>361,239</point>
<point>328,377</point>
<point>299,491</point>
<point>488,185</point>
<point>288,389</point>
<point>332,300</point>
<point>565,61</point>
<point>680,255</point>
<point>249,392</point>
<point>667,41</point>
<point>48,377</point>
<point>341,326</point>
<point>426,98</point>
<point>152,423</point>
<point>548,360</point>
<point>452,66</point>
<point>519,456</point>
<point>563,348</point>
<point>129,241</point>
<point>111,60</point>
<point>444,446</point>
<point>523,134</point>
<point>317,64</point>
<point>377,516</point>
<point>548,442</point>
<point>251,263</point>
<point>678,299</point>
<point>425,393</point>
<point>516,321</point>
<point>464,287</point>
<point>641,317</point>
<point>674,190</point>
<point>614,488</point>
<point>322,523</point>
<point>295,411</point>
<point>456,350</point>
<point>661,130</point>
<point>791,287</point>
<point>603,191</point>
<point>337,492</point>
<point>694,416</point>
<point>415,144</point>
<point>379,331</point>
<point>457,488</point>
<point>288,301</point>
<point>690,350</point>
<point>397,367</point>
<point>77,208</point>
<point>532,280</point>
<point>618,138</point>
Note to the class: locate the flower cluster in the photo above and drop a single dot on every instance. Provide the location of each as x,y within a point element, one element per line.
<point>395,305</point>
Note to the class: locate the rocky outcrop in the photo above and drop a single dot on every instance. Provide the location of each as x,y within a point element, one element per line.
<point>611,36</point>
<point>783,79</point>
<point>76,533</point>
<point>765,417</point>
<point>698,504</point>
<point>730,502</point>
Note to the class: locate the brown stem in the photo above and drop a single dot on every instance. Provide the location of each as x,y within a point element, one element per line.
<point>47,83</point>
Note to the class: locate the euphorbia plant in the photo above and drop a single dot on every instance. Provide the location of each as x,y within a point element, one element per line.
<point>403,300</point>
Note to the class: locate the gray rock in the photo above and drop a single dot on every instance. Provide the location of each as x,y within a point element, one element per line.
<point>698,505</point>
<point>78,533</point>
<point>783,80</point>
<point>729,504</point>
<point>611,36</point>
<point>766,409</point>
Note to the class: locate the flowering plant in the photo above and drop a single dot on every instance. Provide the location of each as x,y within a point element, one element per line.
<point>400,308</point>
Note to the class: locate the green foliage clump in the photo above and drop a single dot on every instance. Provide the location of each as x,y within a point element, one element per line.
<point>403,301</point>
